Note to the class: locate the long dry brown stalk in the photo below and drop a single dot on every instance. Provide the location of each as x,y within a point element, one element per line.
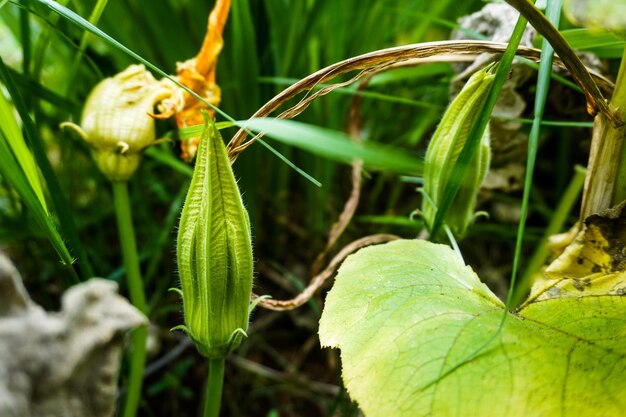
<point>367,65</point>
<point>349,207</point>
<point>319,280</point>
<point>377,61</point>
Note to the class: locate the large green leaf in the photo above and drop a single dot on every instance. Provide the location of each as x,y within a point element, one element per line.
<point>408,317</point>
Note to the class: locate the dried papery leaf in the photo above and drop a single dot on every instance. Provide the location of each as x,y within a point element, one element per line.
<point>378,61</point>
<point>593,264</point>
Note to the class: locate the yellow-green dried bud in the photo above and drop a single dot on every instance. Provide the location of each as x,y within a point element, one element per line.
<point>214,253</point>
<point>444,150</point>
<point>117,122</point>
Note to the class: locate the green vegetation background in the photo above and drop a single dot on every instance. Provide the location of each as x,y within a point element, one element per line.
<point>268,45</point>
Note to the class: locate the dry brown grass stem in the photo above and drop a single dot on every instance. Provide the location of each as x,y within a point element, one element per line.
<point>367,65</point>
<point>377,61</point>
<point>349,207</point>
<point>318,280</point>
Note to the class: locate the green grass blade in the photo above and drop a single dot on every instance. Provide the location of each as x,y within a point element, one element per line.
<point>335,145</point>
<point>11,170</point>
<point>557,222</point>
<point>26,44</point>
<point>96,13</point>
<point>553,13</point>
<point>557,123</point>
<point>13,137</point>
<point>290,164</point>
<point>242,57</point>
<point>603,43</point>
<point>61,206</point>
<point>194,131</point>
<point>166,158</point>
<point>38,90</point>
<point>43,43</point>
<point>436,8</point>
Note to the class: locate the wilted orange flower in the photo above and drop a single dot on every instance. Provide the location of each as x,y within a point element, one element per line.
<point>198,74</point>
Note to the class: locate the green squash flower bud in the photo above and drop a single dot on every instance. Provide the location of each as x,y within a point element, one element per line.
<point>444,150</point>
<point>117,120</point>
<point>214,253</point>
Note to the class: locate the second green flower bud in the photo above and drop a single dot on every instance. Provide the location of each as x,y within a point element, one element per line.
<point>444,150</point>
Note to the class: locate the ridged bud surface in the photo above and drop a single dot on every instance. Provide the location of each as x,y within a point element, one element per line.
<point>215,253</point>
<point>444,150</point>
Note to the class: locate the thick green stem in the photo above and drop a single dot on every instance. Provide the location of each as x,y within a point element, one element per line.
<point>553,11</point>
<point>213,399</point>
<point>136,291</point>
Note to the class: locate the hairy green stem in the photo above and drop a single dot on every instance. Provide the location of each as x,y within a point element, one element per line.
<point>136,291</point>
<point>543,82</point>
<point>213,398</point>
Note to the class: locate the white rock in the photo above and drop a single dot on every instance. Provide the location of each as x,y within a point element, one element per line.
<point>61,364</point>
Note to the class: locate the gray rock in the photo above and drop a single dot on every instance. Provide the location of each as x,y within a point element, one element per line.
<point>61,364</point>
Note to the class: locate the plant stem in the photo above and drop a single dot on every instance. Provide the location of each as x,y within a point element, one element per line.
<point>137,295</point>
<point>595,100</point>
<point>604,186</point>
<point>543,83</point>
<point>619,101</point>
<point>213,398</point>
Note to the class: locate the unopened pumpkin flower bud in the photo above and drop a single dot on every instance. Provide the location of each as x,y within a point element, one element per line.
<point>214,253</point>
<point>444,150</point>
<point>117,122</point>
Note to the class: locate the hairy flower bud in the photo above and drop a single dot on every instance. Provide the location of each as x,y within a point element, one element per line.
<point>444,150</point>
<point>117,120</point>
<point>214,253</point>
